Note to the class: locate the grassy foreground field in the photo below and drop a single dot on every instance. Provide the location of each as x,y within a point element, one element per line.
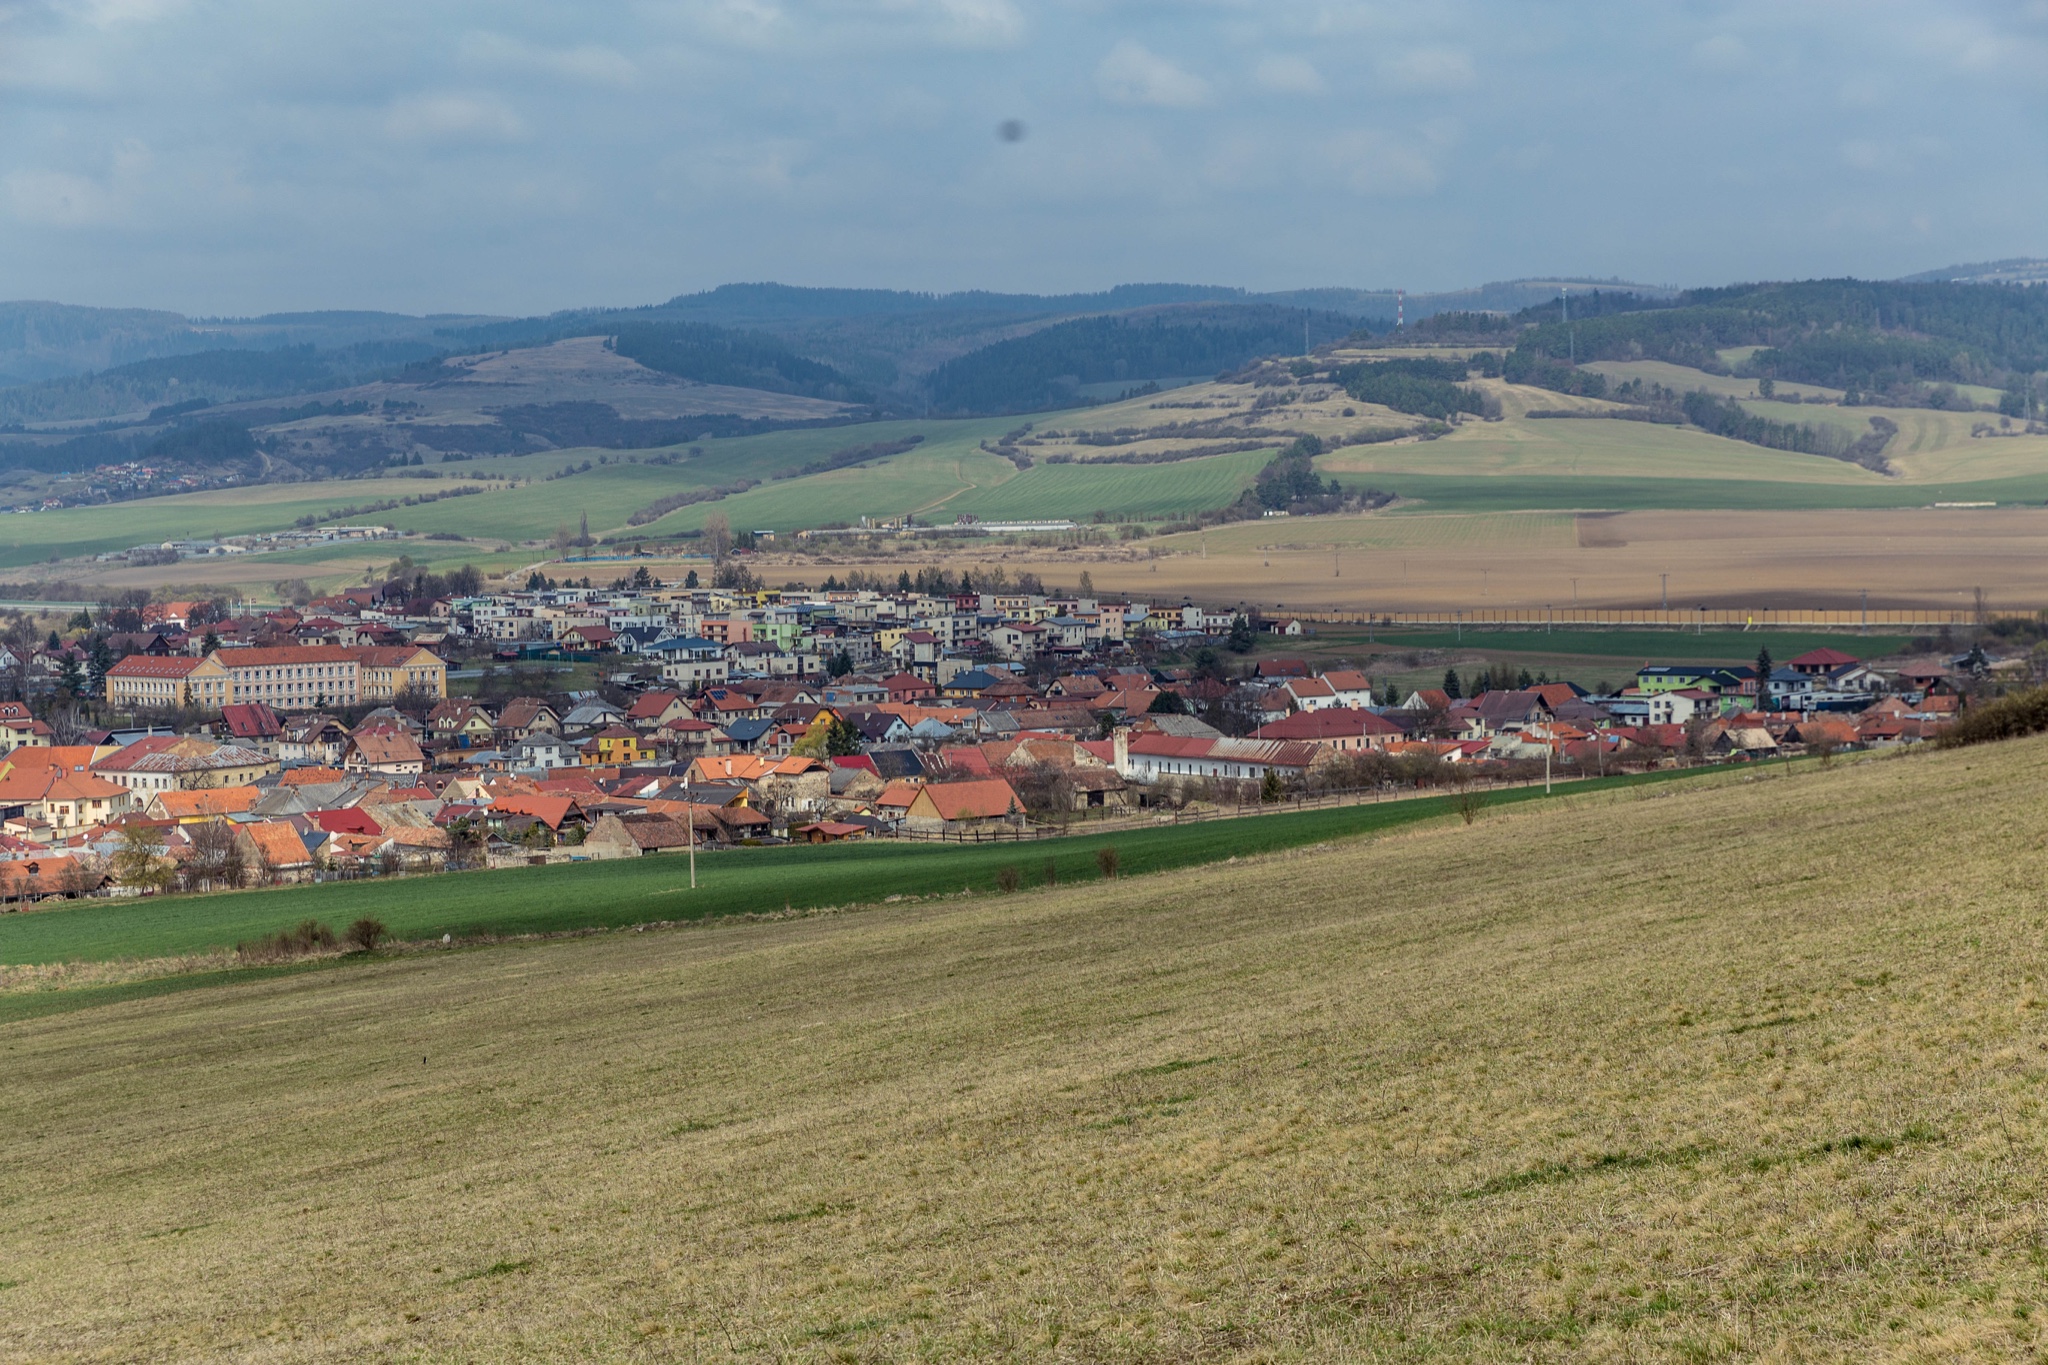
<point>1696,1072</point>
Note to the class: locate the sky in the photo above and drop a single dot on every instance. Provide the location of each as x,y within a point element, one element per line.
<point>230,157</point>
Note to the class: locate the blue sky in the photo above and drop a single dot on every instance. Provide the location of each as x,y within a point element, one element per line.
<point>234,156</point>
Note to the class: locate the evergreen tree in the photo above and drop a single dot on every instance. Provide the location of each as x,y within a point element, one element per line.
<point>1240,640</point>
<point>903,582</point>
<point>210,643</point>
<point>690,580</point>
<point>102,660</point>
<point>73,679</point>
<point>1763,665</point>
<point>1525,682</point>
<point>1451,688</point>
<point>843,740</point>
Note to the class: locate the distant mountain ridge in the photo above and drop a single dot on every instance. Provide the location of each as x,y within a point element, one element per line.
<point>2012,270</point>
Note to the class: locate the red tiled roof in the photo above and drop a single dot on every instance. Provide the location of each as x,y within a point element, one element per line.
<point>153,666</point>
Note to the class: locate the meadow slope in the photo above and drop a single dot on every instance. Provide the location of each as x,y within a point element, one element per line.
<point>1702,1071</point>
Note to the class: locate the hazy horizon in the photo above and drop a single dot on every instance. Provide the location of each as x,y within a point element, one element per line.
<point>228,160</point>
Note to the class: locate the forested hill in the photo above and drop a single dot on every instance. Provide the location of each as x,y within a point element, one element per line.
<point>1848,334</point>
<point>723,355</point>
<point>1046,368</point>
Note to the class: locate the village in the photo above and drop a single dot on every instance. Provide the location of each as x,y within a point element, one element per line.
<point>273,746</point>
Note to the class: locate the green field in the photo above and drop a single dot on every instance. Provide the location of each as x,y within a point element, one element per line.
<point>631,891</point>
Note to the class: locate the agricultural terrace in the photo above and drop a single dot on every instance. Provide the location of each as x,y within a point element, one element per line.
<point>1722,1096</point>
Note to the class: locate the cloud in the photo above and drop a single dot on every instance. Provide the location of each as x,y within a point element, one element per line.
<point>1379,165</point>
<point>452,118</point>
<point>1289,76</point>
<point>1132,74</point>
<point>1430,68</point>
<point>1893,158</point>
<point>966,23</point>
<point>587,63</point>
<point>1721,52</point>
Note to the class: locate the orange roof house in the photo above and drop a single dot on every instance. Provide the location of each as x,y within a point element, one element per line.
<point>197,807</point>
<point>975,801</point>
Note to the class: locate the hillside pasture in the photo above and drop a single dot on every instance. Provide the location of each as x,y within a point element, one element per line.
<point>1733,1070</point>
<point>1685,379</point>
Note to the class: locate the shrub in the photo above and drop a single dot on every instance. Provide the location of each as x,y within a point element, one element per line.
<point>309,937</point>
<point>2022,713</point>
<point>1052,872</point>
<point>1106,859</point>
<point>365,934</point>
<point>1007,879</point>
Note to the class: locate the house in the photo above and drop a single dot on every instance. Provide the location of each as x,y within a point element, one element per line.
<point>634,834</point>
<point>615,746</point>
<point>1155,757</point>
<point>277,849</point>
<point>315,739</point>
<point>198,807</point>
<point>252,725</point>
<point>18,726</point>
<point>830,832</point>
<point>524,717</point>
<point>59,799</point>
<point>461,724</point>
<point>544,752</point>
<point>1336,730</point>
<point>1350,687</point>
<point>977,803</point>
<point>653,710</point>
<point>387,753</point>
<point>1308,694</point>
<point>183,763</point>
<point>1817,663</point>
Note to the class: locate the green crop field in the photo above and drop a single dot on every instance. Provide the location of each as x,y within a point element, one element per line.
<point>630,891</point>
<point>1737,1069</point>
<point>30,537</point>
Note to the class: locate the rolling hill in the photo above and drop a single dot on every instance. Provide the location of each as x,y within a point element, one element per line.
<point>1736,1069</point>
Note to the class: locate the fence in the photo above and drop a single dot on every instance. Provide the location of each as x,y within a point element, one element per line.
<point>1157,816</point>
<point>1675,618</point>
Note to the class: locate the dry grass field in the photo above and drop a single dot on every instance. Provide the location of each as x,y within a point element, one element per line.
<point>1592,449</point>
<point>1905,557</point>
<point>1744,1069</point>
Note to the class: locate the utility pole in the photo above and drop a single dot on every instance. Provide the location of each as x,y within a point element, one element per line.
<point>1866,612</point>
<point>690,816</point>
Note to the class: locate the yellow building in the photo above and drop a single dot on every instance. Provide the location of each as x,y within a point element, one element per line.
<point>146,682</point>
<point>401,671</point>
